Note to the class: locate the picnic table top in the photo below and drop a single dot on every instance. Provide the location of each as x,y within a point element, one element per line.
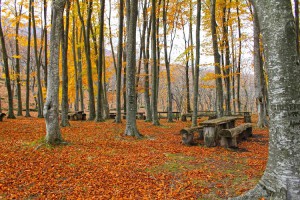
<point>218,121</point>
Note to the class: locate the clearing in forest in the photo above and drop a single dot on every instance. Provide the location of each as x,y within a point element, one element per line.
<point>101,163</point>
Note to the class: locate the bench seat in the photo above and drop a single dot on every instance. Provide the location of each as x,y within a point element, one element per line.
<point>230,137</point>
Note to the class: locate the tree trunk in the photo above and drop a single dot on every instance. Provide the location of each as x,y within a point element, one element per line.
<point>65,88</point>
<point>259,76</point>
<point>45,43</point>
<point>132,11</point>
<point>297,25</point>
<point>28,61</point>
<point>120,63</point>
<point>99,116</point>
<point>53,135</point>
<point>167,63</point>
<point>239,59</point>
<point>38,67</point>
<point>6,71</point>
<point>219,89</point>
<point>18,14</point>
<point>146,68</point>
<point>197,66</point>
<point>281,178</point>
<point>227,64</point>
<point>74,36</point>
<point>154,70</point>
<point>86,38</point>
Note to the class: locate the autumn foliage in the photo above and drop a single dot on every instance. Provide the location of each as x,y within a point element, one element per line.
<point>101,163</point>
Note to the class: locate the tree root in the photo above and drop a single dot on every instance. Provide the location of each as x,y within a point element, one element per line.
<point>260,191</point>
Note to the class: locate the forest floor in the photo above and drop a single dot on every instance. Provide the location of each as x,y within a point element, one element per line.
<point>100,163</point>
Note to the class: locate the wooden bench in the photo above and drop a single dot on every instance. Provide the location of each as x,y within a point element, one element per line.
<point>164,114</point>
<point>230,137</point>
<point>2,115</point>
<point>78,115</point>
<point>188,134</point>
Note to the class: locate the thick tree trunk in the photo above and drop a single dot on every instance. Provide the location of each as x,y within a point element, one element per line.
<point>197,66</point>
<point>281,178</point>
<point>219,87</point>
<point>119,62</point>
<point>65,76</point>
<point>131,129</point>
<point>53,135</point>
<point>154,70</point>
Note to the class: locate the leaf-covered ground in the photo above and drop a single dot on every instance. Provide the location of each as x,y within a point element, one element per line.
<point>102,164</point>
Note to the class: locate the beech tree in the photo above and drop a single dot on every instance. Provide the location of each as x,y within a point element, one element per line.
<point>281,178</point>
<point>131,107</point>
<point>53,135</point>
<point>6,70</point>
<point>219,89</point>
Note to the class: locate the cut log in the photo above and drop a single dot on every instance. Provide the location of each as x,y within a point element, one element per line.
<point>188,134</point>
<point>233,132</point>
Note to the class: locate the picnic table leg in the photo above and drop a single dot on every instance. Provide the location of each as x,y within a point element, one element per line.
<point>209,136</point>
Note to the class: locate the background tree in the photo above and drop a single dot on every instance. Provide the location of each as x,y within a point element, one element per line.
<point>53,135</point>
<point>197,66</point>
<point>132,11</point>
<point>6,69</point>
<point>154,66</point>
<point>99,116</point>
<point>119,60</point>
<point>219,87</point>
<point>65,76</point>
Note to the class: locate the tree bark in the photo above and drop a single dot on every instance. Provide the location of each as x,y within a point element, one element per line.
<point>167,62</point>
<point>28,61</point>
<point>281,178</point>
<point>53,135</point>
<point>65,76</point>
<point>18,14</point>
<point>86,38</point>
<point>131,128</point>
<point>11,114</point>
<point>297,25</point>
<point>146,68</point>
<point>239,59</point>
<point>38,66</point>
<point>120,63</point>
<point>219,87</point>
<point>99,116</point>
<point>197,66</point>
<point>259,80</point>
<point>154,67</point>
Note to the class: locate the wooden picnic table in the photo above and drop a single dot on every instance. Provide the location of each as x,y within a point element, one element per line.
<point>139,115</point>
<point>210,114</point>
<point>177,114</point>
<point>211,128</point>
